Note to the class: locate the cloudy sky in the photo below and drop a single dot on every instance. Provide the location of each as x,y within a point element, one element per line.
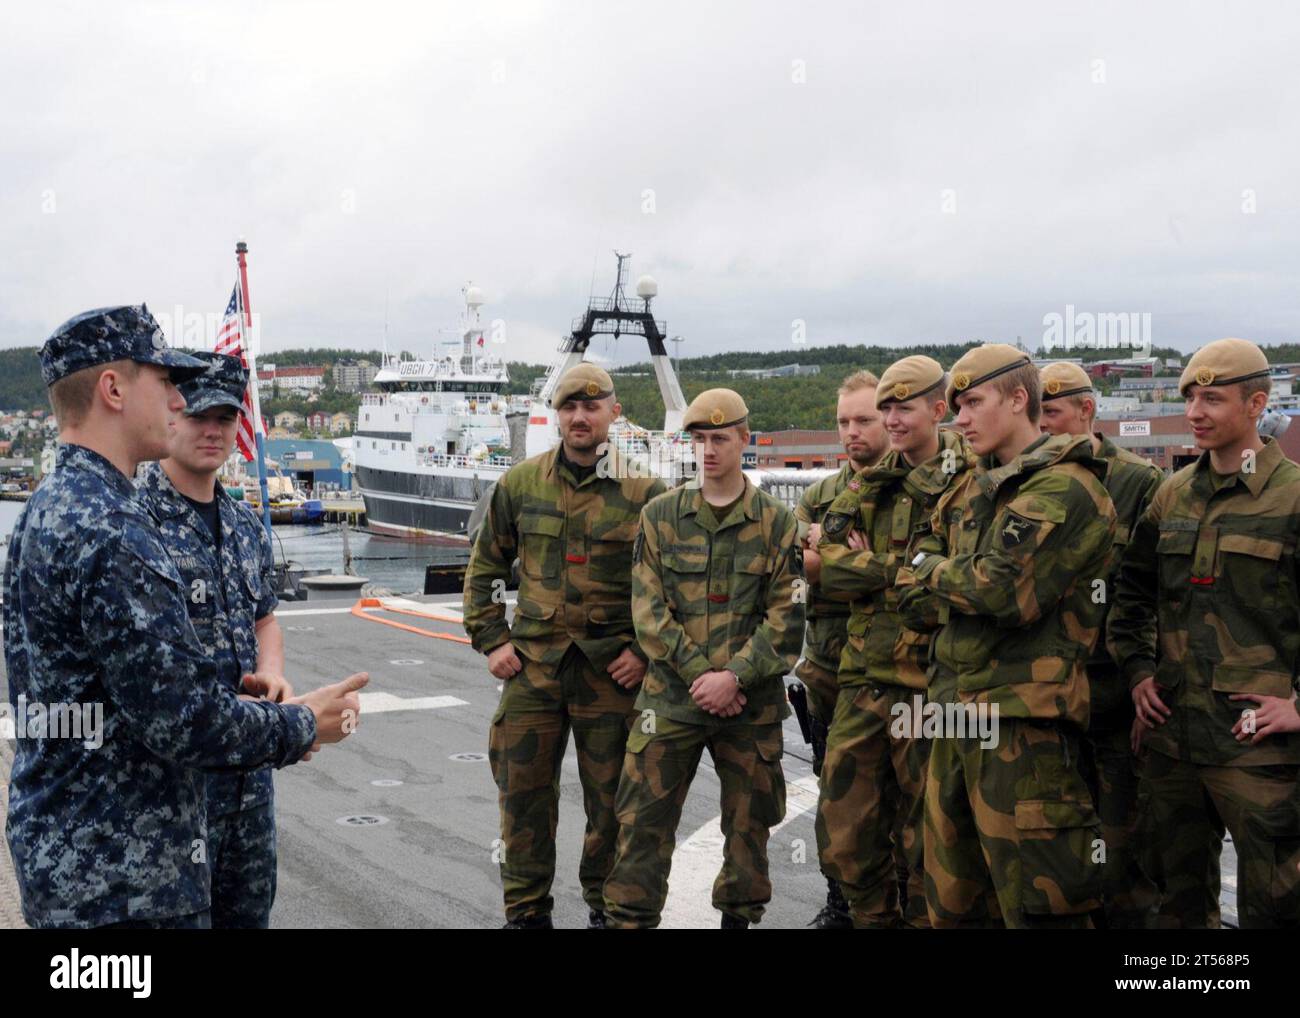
<point>883,173</point>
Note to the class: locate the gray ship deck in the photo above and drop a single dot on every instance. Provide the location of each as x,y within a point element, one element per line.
<point>418,762</point>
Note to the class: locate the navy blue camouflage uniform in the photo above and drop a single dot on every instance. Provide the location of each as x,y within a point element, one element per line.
<point>229,589</point>
<point>95,612</point>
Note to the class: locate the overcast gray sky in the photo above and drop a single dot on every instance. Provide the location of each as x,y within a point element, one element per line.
<point>885,173</point>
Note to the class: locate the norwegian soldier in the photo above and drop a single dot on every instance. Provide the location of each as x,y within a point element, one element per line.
<point>870,809</point>
<point>95,616</point>
<point>1009,573</point>
<point>864,439</point>
<point>1129,895</point>
<point>224,557</point>
<point>570,659</point>
<point>715,598</point>
<point>1204,631</point>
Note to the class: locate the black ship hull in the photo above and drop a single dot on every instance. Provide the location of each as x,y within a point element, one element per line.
<point>419,507</point>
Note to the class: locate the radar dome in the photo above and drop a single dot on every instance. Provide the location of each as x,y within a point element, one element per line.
<point>474,297</point>
<point>646,287</point>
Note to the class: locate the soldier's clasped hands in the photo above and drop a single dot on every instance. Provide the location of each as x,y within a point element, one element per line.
<point>718,693</point>
<point>627,669</point>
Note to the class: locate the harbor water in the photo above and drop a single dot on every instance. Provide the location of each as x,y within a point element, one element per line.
<point>386,562</point>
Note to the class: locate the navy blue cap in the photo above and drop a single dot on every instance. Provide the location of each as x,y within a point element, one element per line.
<point>125,333</point>
<point>222,384</point>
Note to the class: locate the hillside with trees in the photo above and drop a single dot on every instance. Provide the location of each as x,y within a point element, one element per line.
<point>803,401</point>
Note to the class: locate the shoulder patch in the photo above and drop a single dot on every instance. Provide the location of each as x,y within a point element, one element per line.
<point>1018,530</point>
<point>834,524</point>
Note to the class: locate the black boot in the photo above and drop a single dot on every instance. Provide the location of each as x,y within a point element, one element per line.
<point>596,920</point>
<point>532,921</point>
<point>733,922</point>
<point>835,913</point>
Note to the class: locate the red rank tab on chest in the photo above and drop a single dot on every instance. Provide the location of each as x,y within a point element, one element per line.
<point>1203,581</point>
<point>719,598</point>
<point>575,559</point>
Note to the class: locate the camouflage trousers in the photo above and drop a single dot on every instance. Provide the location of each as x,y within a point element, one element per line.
<point>870,812</point>
<point>657,773</point>
<point>1190,806</point>
<point>1129,894</point>
<point>526,746</point>
<point>823,687</point>
<point>241,853</point>
<point>1010,831</point>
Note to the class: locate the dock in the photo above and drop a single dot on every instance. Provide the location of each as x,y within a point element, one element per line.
<point>351,511</point>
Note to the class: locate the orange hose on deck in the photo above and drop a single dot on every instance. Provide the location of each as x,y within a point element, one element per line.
<point>359,610</point>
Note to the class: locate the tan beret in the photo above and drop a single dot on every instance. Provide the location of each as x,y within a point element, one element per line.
<point>1224,362</point>
<point>584,381</point>
<point>983,364</point>
<point>906,379</point>
<point>715,408</point>
<point>1061,379</point>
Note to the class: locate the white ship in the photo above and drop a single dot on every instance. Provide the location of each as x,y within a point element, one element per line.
<point>439,433</point>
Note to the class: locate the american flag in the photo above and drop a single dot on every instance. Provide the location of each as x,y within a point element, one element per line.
<point>230,340</point>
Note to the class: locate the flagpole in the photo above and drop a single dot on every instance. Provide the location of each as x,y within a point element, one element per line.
<point>241,251</point>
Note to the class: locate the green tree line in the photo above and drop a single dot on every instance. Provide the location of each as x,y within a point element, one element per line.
<point>804,401</point>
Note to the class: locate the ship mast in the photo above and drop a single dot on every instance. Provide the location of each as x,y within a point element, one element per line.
<point>471,327</point>
<point>614,316</point>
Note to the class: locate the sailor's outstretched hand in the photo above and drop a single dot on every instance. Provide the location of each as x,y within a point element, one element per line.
<point>268,686</point>
<point>337,707</point>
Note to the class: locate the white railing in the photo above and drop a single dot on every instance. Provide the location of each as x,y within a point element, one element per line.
<point>442,459</point>
<point>440,403</point>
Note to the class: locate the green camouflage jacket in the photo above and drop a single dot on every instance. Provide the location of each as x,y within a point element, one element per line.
<point>574,545</point>
<point>1212,568</point>
<point>708,597</point>
<point>892,502</point>
<point>1016,562</point>
<point>824,638</point>
<point>1131,482</point>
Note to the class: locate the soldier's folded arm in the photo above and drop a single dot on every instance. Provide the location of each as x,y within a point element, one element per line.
<point>156,674</point>
<point>918,606</point>
<point>488,572</point>
<point>660,637</point>
<point>856,573</point>
<point>1131,624</point>
<point>774,647</point>
<point>1040,541</point>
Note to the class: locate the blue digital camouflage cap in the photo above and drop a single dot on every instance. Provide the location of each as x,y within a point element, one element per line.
<point>125,333</point>
<point>222,384</point>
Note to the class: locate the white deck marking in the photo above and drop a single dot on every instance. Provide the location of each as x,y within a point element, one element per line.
<point>696,862</point>
<point>383,703</point>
